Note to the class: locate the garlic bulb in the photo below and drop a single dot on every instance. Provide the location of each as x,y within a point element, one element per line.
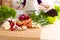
<point>6,25</point>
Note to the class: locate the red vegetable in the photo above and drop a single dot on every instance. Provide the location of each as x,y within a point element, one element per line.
<point>23,17</point>
<point>11,25</point>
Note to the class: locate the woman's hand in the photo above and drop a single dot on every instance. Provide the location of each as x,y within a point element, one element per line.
<point>46,6</point>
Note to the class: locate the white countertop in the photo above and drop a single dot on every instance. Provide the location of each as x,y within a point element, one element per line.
<point>51,32</point>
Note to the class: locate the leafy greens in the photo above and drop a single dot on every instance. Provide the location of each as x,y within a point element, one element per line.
<point>41,18</point>
<point>6,12</point>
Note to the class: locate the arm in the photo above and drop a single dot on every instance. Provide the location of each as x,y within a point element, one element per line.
<point>40,3</point>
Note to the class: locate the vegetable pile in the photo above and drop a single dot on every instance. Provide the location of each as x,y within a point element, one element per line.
<point>25,21</point>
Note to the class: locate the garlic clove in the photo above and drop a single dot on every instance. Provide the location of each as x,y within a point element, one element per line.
<point>24,27</point>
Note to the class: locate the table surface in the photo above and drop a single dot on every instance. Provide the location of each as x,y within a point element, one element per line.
<point>29,34</point>
<point>50,32</point>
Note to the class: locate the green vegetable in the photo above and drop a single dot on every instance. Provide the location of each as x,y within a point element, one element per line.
<point>41,18</point>
<point>6,12</point>
<point>51,20</point>
<point>58,15</point>
<point>57,8</point>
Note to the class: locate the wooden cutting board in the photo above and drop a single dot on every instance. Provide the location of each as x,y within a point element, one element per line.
<point>29,34</point>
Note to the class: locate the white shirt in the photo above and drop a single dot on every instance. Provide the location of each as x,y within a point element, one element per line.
<point>31,5</point>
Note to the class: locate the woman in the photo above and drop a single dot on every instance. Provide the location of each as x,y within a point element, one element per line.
<point>39,2</point>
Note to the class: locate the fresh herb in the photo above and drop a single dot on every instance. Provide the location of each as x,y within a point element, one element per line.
<point>6,12</point>
<point>41,18</point>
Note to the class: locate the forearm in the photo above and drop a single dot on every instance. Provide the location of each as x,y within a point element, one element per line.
<point>46,6</point>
